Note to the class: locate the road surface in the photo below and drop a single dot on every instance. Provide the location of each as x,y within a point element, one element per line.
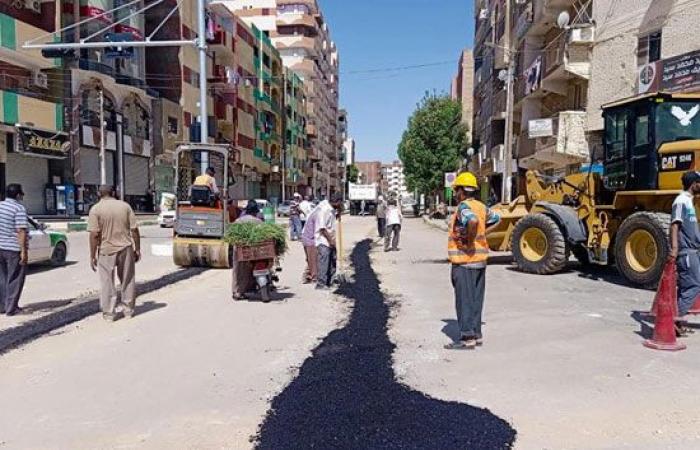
<point>562,365</point>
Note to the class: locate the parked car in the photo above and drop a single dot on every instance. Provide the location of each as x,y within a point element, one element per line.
<point>46,246</point>
<point>166,219</point>
<point>284,208</point>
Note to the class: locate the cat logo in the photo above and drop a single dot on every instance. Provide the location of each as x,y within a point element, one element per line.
<point>677,162</point>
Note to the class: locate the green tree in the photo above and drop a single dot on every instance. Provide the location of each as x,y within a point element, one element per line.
<point>434,142</point>
<point>353,173</point>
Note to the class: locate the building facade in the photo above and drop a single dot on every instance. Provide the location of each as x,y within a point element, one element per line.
<point>299,31</point>
<point>394,180</point>
<point>570,58</point>
<point>370,172</point>
<point>462,88</point>
<point>34,149</point>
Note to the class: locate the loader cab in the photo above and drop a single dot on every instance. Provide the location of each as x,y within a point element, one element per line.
<point>650,141</point>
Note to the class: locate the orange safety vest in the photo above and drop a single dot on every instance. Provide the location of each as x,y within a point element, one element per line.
<point>478,252</point>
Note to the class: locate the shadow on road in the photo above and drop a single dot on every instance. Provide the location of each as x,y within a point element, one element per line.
<point>39,268</point>
<point>79,308</point>
<point>346,394</point>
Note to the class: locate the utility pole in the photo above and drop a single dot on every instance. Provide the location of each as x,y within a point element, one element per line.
<point>510,79</point>
<point>283,110</point>
<point>103,152</point>
<point>203,94</point>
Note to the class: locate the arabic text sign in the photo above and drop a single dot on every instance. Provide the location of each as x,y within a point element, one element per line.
<point>681,73</point>
<point>540,128</point>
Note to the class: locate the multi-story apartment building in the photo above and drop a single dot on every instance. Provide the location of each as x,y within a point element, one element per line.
<point>570,58</point>
<point>113,82</point>
<point>370,172</point>
<point>34,149</point>
<point>394,180</point>
<point>298,30</point>
<point>296,144</point>
<point>462,88</point>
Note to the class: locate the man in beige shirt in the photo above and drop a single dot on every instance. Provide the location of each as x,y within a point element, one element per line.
<point>115,243</point>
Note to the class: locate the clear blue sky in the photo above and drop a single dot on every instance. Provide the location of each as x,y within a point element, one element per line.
<point>377,34</point>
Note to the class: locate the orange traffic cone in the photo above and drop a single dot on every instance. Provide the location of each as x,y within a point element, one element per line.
<point>696,307</point>
<point>666,306</point>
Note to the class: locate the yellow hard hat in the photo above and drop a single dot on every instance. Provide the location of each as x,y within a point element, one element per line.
<point>466,180</point>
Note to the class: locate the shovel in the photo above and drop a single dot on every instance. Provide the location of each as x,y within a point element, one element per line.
<point>341,275</point>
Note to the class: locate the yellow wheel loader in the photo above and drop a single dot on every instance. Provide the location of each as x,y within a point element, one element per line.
<point>621,217</point>
<point>202,215</point>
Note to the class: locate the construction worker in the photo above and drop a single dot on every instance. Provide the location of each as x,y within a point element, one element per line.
<point>468,252</point>
<point>685,245</point>
<point>207,179</point>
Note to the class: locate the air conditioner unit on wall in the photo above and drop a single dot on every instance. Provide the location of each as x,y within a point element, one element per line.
<point>40,80</point>
<point>484,14</point>
<point>33,5</point>
<point>521,2</point>
<point>582,35</point>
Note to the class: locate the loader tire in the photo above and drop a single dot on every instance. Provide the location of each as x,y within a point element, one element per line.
<point>539,245</point>
<point>642,247</point>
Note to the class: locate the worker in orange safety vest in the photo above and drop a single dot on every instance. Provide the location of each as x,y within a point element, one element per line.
<point>468,252</point>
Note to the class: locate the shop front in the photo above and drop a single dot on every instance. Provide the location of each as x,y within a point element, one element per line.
<point>38,160</point>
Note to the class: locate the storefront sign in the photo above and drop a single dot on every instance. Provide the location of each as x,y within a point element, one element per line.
<point>44,143</point>
<point>539,128</point>
<point>676,74</point>
<point>681,73</point>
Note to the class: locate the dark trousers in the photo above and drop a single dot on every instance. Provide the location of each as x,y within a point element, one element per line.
<point>381,226</point>
<point>469,285</point>
<point>326,265</point>
<point>688,265</point>
<point>392,236</point>
<point>12,275</point>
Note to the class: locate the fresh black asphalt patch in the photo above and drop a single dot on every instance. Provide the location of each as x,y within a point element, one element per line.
<point>346,394</point>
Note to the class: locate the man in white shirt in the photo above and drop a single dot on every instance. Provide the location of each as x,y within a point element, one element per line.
<point>393,226</point>
<point>325,240</point>
<point>306,207</point>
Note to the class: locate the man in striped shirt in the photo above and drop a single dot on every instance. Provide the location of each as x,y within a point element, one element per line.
<point>14,241</point>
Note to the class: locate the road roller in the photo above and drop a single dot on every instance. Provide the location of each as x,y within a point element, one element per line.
<point>202,212</point>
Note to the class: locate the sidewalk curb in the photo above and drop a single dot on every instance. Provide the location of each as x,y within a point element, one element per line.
<point>437,224</point>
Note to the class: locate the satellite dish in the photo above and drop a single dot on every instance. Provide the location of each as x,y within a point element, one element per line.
<point>563,20</point>
<point>503,75</point>
<point>470,151</point>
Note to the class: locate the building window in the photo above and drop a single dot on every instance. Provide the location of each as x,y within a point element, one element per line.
<point>616,135</point>
<point>172,125</point>
<point>649,48</point>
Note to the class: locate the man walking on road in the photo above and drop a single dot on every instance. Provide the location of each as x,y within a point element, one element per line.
<point>14,244</point>
<point>393,226</point>
<point>468,252</point>
<point>381,216</point>
<point>295,218</point>
<point>685,244</point>
<point>309,241</point>
<point>115,243</point>
<point>325,240</point>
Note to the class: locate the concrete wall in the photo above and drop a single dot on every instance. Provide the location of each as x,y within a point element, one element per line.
<point>614,58</point>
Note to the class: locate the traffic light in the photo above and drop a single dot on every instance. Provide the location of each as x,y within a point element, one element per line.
<point>58,53</point>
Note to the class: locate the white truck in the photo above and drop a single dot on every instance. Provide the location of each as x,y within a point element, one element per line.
<point>359,193</point>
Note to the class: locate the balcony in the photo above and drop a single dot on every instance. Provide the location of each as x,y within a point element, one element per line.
<point>568,56</point>
<point>566,144</point>
<point>223,84</point>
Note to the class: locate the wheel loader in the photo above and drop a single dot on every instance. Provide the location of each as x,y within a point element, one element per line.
<point>621,217</point>
<point>201,216</point>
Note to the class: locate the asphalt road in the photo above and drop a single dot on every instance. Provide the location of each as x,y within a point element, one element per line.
<point>48,288</point>
<point>563,365</point>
